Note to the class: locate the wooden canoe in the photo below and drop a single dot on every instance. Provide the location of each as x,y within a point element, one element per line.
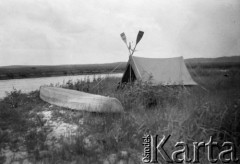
<point>79,100</point>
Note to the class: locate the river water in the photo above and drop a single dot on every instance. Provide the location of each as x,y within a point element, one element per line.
<point>32,84</point>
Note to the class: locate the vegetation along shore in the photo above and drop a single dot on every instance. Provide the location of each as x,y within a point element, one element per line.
<point>19,72</point>
<point>34,131</point>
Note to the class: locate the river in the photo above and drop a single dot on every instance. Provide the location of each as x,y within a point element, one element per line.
<point>32,84</point>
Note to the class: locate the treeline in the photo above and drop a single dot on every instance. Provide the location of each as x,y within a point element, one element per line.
<point>17,72</point>
<point>212,65</point>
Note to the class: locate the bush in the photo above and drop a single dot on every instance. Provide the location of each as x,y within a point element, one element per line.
<point>186,113</point>
<point>35,140</point>
<point>19,126</point>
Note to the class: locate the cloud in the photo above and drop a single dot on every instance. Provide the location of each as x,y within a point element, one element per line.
<point>212,30</point>
<point>74,32</point>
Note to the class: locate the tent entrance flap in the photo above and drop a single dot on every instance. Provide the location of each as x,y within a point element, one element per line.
<point>129,76</point>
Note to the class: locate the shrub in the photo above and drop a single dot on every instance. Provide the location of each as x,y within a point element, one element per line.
<point>187,113</point>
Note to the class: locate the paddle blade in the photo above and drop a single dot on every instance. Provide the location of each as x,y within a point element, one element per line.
<point>124,38</point>
<point>139,36</point>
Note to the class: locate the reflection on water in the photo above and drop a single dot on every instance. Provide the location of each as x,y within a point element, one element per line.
<point>31,84</point>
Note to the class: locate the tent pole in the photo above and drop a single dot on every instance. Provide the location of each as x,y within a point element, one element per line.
<point>130,69</point>
<point>131,51</point>
<point>130,65</point>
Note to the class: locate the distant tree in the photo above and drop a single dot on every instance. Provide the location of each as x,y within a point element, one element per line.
<point>10,75</point>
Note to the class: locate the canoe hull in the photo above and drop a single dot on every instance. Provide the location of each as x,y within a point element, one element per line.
<point>80,100</point>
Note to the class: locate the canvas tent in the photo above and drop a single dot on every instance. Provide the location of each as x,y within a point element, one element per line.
<point>165,71</point>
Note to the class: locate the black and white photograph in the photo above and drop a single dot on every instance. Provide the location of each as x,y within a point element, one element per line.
<point>119,81</point>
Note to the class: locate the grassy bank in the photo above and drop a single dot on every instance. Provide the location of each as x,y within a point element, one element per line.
<point>19,72</point>
<point>186,113</point>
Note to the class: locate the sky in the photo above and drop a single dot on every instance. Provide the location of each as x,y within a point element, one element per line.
<point>54,32</point>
